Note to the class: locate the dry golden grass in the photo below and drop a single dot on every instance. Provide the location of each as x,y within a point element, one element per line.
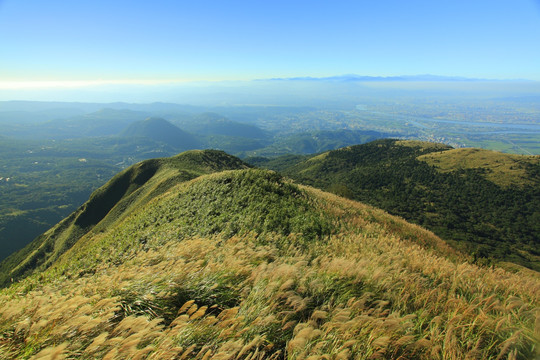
<point>502,169</point>
<point>377,288</point>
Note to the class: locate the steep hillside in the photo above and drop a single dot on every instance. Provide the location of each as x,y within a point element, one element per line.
<point>159,129</point>
<point>111,203</point>
<point>482,202</point>
<point>247,265</point>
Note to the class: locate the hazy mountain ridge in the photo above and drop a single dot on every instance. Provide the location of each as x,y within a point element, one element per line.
<point>315,142</point>
<point>245,263</point>
<point>159,129</point>
<point>406,78</point>
<point>216,124</point>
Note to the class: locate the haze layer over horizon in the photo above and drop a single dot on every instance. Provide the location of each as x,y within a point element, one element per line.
<point>176,41</point>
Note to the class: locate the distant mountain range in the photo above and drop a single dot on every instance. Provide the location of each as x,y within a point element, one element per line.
<point>361,78</point>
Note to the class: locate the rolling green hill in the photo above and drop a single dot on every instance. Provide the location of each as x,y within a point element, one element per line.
<point>244,264</point>
<point>482,202</point>
<point>109,204</point>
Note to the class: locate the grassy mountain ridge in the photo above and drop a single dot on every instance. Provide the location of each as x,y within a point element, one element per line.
<point>111,203</point>
<point>245,264</point>
<point>463,195</point>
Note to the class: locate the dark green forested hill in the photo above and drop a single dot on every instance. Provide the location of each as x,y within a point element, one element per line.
<point>480,201</point>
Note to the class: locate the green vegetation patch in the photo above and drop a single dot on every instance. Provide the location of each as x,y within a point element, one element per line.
<point>239,202</point>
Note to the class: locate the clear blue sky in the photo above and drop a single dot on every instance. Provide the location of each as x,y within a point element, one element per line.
<point>216,40</point>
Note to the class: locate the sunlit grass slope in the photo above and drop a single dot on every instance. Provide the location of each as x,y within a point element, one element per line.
<point>111,203</point>
<point>501,169</point>
<point>247,265</point>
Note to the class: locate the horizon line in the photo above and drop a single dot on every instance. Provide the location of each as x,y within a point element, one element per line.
<point>47,84</point>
